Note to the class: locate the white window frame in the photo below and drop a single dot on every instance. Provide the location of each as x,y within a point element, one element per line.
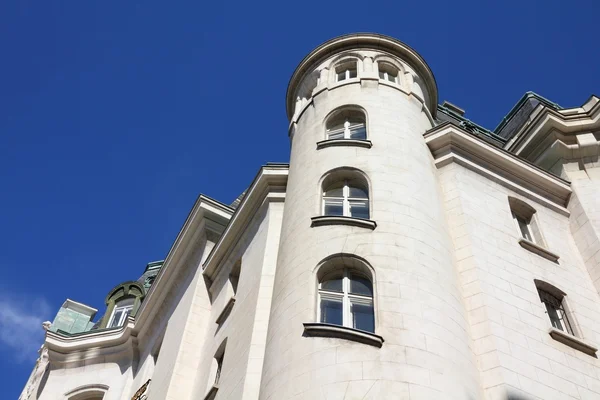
<point>346,129</point>
<point>346,68</point>
<point>386,77</point>
<point>524,229</point>
<point>347,298</point>
<point>346,199</point>
<point>123,316</point>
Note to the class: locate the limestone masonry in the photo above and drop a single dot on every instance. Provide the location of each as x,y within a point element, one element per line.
<point>405,252</point>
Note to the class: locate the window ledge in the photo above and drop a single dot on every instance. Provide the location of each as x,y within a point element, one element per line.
<point>212,392</point>
<point>339,220</point>
<point>344,142</point>
<point>318,329</point>
<point>540,251</point>
<point>572,341</point>
<point>226,310</point>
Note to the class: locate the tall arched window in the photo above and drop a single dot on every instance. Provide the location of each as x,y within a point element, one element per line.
<point>87,392</point>
<point>348,197</point>
<point>347,124</point>
<point>122,310</point>
<point>346,299</point>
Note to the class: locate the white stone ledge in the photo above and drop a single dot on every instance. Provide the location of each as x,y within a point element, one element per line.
<point>226,310</point>
<point>212,392</point>
<point>339,220</point>
<point>539,250</point>
<point>572,341</point>
<point>344,143</point>
<point>318,329</point>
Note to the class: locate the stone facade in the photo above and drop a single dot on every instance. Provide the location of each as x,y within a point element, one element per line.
<point>457,232</point>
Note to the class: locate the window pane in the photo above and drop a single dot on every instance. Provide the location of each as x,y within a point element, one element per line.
<point>358,132</point>
<point>359,209</point>
<point>341,76</point>
<point>361,285</point>
<point>391,78</point>
<point>381,75</point>
<point>524,227</point>
<point>336,134</point>
<point>553,315</point>
<point>358,193</point>
<point>116,318</point>
<point>363,318</point>
<point>333,207</point>
<point>352,73</point>
<point>331,311</point>
<point>333,284</point>
<point>335,190</point>
<point>128,301</point>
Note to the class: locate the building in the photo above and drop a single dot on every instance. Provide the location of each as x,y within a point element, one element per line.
<point>404,253</point>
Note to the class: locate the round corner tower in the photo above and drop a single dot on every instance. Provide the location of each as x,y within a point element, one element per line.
<point>366,299</point>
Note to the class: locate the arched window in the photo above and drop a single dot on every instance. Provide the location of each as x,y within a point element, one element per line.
<point>215,372</point>
<point>347,124</point>
<point>388,72</point>
<point>87,392</point>
<point>346,70</point>
<point>346,299</point>
<point>554,302</point>
<point>122,310</point>
<point>525,221</point>
<point>347,196</point>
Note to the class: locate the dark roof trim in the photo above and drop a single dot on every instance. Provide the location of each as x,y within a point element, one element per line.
<point>520,103</point>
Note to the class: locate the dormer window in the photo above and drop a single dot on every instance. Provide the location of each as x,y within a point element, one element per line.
<point>388,73</point>
<point>346,71</point>
<point>122,310</point>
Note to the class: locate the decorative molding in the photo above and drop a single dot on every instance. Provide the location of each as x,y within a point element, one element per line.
<point>319,329</point>
<point>344,143</point>
<point>269,184</point>
<point>226,310</point>
<point>323,220</point>
<point>372,41</point>
<point>449,143</point>
<point>572,341</point>
<point>539,250</point>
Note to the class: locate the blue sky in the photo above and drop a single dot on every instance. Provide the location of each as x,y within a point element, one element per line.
<point>114,116</point>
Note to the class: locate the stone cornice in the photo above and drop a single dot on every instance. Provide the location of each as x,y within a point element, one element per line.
<point>207,214</point>
<point>269,184</point>
<point>96,340</point>
<point>547,126</point>
<point>449,143</point>
<point>363,41</point>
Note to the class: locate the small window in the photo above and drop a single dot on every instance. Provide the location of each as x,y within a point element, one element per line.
<point>524,218</point>
<point>553,300</point>
<point>122,310</point>
<point>346,299</point>
<point>388,73</point>
<point>215,376</point>
<point>348,198</point>
<point>346,71</point>
<point>234,276</point>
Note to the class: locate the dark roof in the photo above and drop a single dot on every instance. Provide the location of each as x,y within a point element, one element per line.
<point>520,112</point>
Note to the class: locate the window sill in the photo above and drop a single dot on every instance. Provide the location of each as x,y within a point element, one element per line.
<point>338,220</point>
<point>212,392</point>
<point>572,341</point>
<point>226,310</point>
<point>345,143</point>
<point>318,329</point>
<point>540,251</point>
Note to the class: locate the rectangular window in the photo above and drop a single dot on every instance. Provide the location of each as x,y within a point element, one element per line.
<point>359,208</point>
<point>334,207</point>
<point>219,367</point>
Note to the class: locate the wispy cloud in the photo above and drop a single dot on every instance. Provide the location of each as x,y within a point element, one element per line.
<point>21,332</point>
